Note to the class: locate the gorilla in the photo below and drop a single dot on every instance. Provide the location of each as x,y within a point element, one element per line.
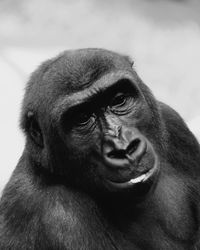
<point>105,166</point>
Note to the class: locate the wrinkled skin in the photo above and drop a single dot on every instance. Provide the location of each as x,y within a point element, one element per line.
<point>105,165</point>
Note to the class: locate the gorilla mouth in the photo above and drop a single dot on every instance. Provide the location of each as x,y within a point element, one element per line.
<point>125,173</point>
<point>139,179</point>
<point>145,177</point>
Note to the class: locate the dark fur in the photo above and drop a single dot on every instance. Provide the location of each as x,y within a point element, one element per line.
<point>54,200</point>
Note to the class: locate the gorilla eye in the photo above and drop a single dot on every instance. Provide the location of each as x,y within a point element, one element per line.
<point>121,102</point>
<point>85,118</point>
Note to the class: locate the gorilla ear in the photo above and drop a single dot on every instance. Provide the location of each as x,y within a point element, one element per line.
<point>33,128</point>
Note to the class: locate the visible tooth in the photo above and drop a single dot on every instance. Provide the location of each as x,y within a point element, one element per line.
<point>138,179</point>
<point>148,174</point>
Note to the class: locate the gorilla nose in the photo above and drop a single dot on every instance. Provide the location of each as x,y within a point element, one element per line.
<point>115,153</point>
<point>133,147</point>
<point>136,149</point>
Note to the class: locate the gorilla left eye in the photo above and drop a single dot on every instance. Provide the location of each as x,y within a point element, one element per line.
<point>84,119</point>
<point>120,100</point>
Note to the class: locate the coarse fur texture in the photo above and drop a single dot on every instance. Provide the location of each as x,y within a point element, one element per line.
<point>105,165</point>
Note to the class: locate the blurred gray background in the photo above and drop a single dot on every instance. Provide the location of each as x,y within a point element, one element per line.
<point>162,36</point>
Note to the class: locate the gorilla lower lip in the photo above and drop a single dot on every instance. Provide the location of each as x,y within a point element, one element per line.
<point>140,179</point>
<point>143,177</point>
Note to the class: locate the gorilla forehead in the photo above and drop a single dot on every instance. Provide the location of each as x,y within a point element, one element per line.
<point>68,73</point>
<point>74,70</point>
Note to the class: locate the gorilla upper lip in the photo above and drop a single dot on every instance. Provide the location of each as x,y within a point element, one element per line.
<point>124,159</point>
<point>117,163</point>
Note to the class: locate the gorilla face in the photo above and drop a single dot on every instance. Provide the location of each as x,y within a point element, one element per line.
<point>108,129</point>
<point>101,128</point>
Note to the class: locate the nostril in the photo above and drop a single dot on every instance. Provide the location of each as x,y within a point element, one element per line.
<point>117,154</point>
<point>133,146</point>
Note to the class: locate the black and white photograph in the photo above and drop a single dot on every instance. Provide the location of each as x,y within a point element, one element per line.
<point>100,125</point>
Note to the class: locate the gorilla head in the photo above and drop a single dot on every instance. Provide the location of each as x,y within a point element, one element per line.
<point>90,121</point>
